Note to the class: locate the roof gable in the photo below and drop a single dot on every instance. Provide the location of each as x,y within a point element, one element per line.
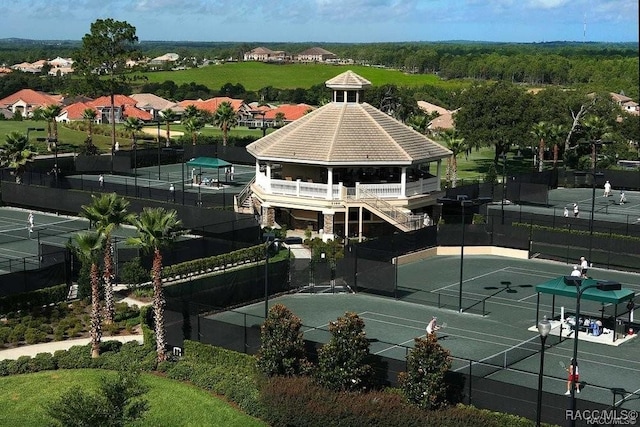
<point>118,100</point>
<point>32,97</point>
<point>347,133</point>
<point>75,111</point>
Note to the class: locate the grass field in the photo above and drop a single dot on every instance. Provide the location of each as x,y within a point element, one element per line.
<point>256,75</point>
<point>172,403</point>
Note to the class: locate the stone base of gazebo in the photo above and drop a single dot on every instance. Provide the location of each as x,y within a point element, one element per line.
<point>564,328</point>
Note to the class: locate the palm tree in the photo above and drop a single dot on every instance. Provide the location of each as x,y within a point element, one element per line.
<point>157,228</point>
<point>133,125</point>
<point>192,111</point>
<point>457,146</point>
<point>279,119</point>
<point>193,125</point>
<point>556,134</point>
<point>51,112</point>
<point>89,114</point>
<point>419,123</point>
<point>595,128</point>
<point>541,131</point>
<point>108,212</point>
<point>16,153</point>
<point>88,247</point>
<point>37,114</point>
<point>225,118</point>
<point>169,116</point>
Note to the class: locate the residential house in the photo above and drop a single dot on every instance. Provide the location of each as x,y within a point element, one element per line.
<point>26,100</point>
<point>167,58</point>
<point>316,54</point>
<point>26,67</point>
<point>345,169</point>
<point>288,112</point>
<point>444,119</point>
<point>154,104</point>
<point>243,111</point>
<point>74,112</point>
<point>265,55</point>
<point>120,102</point>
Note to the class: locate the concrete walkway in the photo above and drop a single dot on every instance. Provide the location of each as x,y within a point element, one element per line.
<point>52,347</point>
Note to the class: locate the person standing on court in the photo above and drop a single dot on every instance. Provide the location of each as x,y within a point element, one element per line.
<point>172,192</point>
<point>607,189</point>
<point>101,181</point>
<point>574,378</point>
<point>231,172</point>
<point>584,266</point>
<point>623,198</point>
<point>432,327</point>
<point>566,212</point>
<point>30,223</point>
<point>576,272</point>
<point>576,211</point>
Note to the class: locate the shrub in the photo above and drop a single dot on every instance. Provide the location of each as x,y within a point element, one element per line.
<point>34,336</point>
<point>118,402</point>
<point>424,382</point>
<point>282,349</point>
<point>77,357</point>
<point>133,273</point>
<point>44,362</point>
<point>342,361</point>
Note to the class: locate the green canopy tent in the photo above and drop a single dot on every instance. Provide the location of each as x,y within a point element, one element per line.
<point>562,286</point>
<point>208,163</point>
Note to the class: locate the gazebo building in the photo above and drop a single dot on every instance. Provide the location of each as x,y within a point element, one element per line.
<point>346,169</point>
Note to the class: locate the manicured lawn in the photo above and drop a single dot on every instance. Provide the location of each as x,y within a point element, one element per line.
<point>256,75</point>
<point>172,403</point>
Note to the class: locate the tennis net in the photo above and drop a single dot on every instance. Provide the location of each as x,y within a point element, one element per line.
<point>48,229</point>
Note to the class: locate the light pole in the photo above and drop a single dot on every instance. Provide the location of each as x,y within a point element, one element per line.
<point>577,282</point>
<point>158,137</point>
<point>504,183</point>
<point>54,143</point>
<point>268,238</point>
<point>595,144</point>
<point>34,130</point>
<point>544,327</point>
<point>135,163</point>
<point>464,201</point>
<point>181,152</point>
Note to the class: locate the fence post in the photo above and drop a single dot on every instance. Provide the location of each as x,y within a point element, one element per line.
<point>470,381</point>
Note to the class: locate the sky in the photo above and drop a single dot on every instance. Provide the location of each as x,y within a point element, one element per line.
<point>339,21</point>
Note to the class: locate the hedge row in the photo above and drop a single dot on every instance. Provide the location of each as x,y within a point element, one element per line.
<point>214,263</point>
<point>221,371</point>
<point>576,232</point>
<point>29,300</point>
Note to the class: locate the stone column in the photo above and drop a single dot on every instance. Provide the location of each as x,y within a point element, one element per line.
<point>328,216</point>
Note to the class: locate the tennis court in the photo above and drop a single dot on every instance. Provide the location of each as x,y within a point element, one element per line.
<point>20,248</point>
<point>499,338</point>
<point>605,208</point>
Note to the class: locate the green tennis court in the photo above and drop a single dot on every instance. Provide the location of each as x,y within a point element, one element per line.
<point>507,287</point>
<point>19,245</point>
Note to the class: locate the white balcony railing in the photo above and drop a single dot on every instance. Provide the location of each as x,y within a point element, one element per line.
<point>314,190</point>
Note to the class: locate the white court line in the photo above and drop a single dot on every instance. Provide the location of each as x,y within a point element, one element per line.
<point>422,323</point>
<point>468,280</point>
<point>453,335</point>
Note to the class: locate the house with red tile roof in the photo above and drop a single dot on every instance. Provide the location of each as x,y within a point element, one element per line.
<point>243,111</point>
<point>290,113</point>
<point>103,106</point>
<point>26,100</point>
<point>74,112</point>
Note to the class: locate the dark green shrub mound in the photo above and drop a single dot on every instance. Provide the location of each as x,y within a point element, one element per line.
<point>298,401</point>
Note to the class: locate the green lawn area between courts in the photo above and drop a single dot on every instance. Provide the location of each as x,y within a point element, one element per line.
<point>171,403</point>
<point>257,75</point>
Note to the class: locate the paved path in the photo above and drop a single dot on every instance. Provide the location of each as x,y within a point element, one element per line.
<point>52,347</point>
